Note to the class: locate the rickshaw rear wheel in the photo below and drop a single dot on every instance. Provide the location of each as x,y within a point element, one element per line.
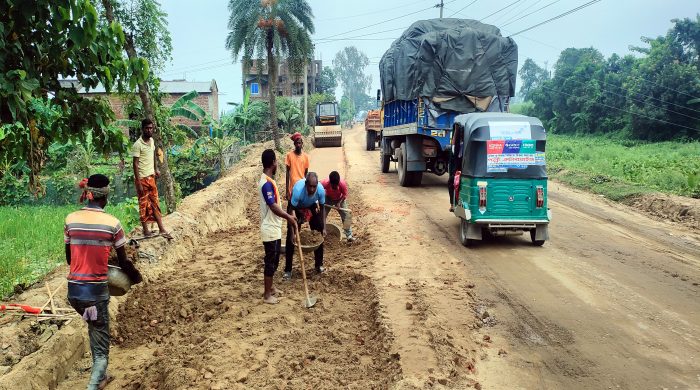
<point>533,233</point>
<point>463,228</point>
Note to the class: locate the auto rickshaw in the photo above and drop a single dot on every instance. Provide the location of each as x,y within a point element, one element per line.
<point>501,187</point>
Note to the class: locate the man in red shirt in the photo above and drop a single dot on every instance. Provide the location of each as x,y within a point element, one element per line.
<point>90,235</point>
<point>336,196</point>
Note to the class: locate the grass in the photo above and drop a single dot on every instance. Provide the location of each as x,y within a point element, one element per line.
<point>619,169</point>
<point>31,240</point>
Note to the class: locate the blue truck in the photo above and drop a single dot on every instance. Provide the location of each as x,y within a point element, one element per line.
<point>438,69</point>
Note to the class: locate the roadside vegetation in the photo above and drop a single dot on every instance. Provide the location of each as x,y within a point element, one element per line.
<point>619,169</point>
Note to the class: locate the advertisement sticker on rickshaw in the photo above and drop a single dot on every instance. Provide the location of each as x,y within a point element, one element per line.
<point>502,155</point>
<point>509,130</point>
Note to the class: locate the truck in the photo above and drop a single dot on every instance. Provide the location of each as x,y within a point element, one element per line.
<point>373,128</point>
<point>327,130</point>
<point>437,70</point>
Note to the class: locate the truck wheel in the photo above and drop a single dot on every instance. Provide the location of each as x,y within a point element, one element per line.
<point>371,138</point>
<point>384,160</point>
<point>463,227</point>
<point>406,178</point>
<point>533,232</point>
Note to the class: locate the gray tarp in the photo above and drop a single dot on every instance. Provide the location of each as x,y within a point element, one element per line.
<point>449,61</point>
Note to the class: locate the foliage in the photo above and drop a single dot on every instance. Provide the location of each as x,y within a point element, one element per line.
<point>147,24</point>
<point>192,166</point>
<point>246,119</point>
<point>349,66</point>
<point>289,114</point>
<point>532,75</point>
<point>31,241</point>
<point>271,29</point>
<point>347,109</point>
<point>36,54</point>
<point>620,168</point>
<point>327,82</point>
<point>648,97</point>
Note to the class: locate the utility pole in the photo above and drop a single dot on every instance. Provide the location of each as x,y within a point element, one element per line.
<point>441,5</point>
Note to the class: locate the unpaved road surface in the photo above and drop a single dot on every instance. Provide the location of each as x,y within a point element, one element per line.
<point>612,301</point>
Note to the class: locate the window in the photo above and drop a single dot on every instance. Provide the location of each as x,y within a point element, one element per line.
<point>254,89</point>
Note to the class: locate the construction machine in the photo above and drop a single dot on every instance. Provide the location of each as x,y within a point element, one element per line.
<point>327,131</point>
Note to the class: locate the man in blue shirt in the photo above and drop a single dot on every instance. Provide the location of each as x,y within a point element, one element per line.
<point>307,202</point>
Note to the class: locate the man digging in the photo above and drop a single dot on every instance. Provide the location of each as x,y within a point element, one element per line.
<point>307,202</point>
<point>90,234</point>
<point>145,174</point>
<point>271,215</point>
<point>336,197</point>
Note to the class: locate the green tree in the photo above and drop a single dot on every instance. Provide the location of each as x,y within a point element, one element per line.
<point>349,66</point>
<point>271,29</point>
<point>36,54</point>
<point>327,82</point>
<point>347,109</point>
<point>246,119</point>
<point>289,115</point>
<point>532,75</point>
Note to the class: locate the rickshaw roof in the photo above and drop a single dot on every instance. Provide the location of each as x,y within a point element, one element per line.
<point>477,125</point>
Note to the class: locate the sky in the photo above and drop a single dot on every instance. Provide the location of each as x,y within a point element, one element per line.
<point>199,30</point>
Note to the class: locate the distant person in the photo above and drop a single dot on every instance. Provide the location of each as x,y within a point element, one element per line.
<point>454,163</point>
<point>337,195</point>
<point>297,163</point>
<point>90,234</point>
<point>307,202</point>
<point>145,175</point>
<point>271,215</point>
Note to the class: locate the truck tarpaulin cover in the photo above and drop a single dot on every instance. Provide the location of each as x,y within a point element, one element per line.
<point>450,62</point>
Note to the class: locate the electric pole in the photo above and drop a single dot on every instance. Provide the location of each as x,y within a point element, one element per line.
<point>441,5</point>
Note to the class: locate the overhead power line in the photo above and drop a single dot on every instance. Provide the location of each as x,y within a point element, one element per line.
<point>500,10</point>
<point>374,12</point>
<point>558,16</point>
<point>506,15</point>
<point>463,8</point>
<point>515,19</point>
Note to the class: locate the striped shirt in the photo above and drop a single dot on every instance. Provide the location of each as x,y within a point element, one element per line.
<point>91,234</point>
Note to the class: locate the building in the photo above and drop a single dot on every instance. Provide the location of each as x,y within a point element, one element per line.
<point>171,90</point>
<point>289,85</point>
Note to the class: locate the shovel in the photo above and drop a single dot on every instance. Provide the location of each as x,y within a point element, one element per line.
<point>309,302</point>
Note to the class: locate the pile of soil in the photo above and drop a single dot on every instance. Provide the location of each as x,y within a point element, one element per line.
<point>685,211</point>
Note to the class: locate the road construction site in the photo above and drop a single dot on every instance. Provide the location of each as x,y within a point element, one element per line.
<point>611,301</point>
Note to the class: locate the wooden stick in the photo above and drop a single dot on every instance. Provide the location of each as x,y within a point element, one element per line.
<point>51,294</point>
<point>53,307</point>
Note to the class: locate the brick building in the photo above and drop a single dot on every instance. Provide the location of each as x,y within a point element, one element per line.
<point>208,97</point>
<point>287,84</point>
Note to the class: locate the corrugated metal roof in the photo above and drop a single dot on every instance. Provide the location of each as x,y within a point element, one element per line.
<point>175,86</point>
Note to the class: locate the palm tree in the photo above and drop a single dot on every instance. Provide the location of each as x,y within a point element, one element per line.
<point>270,29</point>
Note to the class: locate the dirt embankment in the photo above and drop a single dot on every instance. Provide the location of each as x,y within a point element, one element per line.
<point>685,211</point>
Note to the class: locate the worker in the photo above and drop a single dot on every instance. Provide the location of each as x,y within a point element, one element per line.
<point>297,163</point>
<point>271,215</point>
<point>336,196</point>
<point>90,234</point>
<point>454,163</point>
<point>145,175</point>
<point>307,200</point>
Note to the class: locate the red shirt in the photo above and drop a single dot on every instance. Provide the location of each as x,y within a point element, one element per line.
<point>335,195</point>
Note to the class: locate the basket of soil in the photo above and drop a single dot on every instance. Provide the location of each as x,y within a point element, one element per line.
<point>117,281</point>
<point>310,240</point>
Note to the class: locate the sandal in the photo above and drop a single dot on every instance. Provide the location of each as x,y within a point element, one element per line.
<point>166,235</point>
<point>105,381</point>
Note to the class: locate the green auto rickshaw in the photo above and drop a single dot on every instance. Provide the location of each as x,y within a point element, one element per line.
<point>501,182</point>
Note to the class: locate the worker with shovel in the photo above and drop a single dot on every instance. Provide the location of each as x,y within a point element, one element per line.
<point>336,198</point>
<point>307,202</point>
<point>271,215</point>
<point>90,234</point>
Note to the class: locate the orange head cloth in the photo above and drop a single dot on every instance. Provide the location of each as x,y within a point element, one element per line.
<point>87,194</point>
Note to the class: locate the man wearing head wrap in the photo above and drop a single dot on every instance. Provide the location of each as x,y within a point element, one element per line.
<point>297,163</point>
<point>145,175</point>
<point>90,234</point>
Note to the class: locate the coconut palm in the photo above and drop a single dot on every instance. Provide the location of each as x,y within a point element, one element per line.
<point>271,29</point>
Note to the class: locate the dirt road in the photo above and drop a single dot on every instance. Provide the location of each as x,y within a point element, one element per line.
<point>610,302</point>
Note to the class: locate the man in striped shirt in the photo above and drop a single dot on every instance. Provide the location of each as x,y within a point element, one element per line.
<point>90,235</point>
